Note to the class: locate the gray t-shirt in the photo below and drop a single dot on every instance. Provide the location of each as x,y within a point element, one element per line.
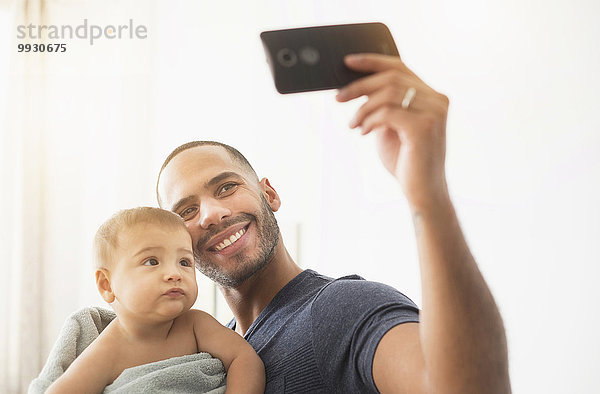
<point>319,334</point>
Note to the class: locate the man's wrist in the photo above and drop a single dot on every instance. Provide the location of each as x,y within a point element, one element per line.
<point>433,205</point>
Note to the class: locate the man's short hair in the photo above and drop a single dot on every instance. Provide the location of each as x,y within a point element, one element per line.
<point>234,153</point>
<point>106,240</point>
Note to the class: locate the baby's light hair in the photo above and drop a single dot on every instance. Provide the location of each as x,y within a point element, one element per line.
<point>106,240</point>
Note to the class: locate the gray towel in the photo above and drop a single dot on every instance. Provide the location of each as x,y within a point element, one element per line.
<point>195,373</point>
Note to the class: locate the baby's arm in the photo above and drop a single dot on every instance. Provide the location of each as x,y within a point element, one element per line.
<point>89,373</point>
<point>245,370</point>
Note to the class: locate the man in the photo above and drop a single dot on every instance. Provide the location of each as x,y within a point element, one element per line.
<point>315,334</point>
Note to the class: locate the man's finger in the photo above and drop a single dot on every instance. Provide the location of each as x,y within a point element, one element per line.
<point>365,86</point>
<point>372,62</point>
<point>387,96</point>
<point>375,62</point>
<point>383,117</point>
<point>368,85</point>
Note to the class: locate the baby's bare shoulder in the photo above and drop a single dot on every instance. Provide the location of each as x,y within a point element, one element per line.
<point>100,356</point>
<point>199,320</point>
<point>194,315</point>
<point>108,345</point>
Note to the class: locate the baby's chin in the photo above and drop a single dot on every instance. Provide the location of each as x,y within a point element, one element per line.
<point>171,313</point>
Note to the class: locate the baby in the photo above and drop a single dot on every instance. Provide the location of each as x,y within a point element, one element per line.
<point>145,270</point>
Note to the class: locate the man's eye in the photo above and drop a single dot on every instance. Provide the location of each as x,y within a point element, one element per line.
<point>151,262</point>
<point>188,213</point>
<point>227,187</point>
<point>185,263</point>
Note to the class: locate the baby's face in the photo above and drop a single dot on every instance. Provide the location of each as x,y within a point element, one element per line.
<point>153,275</point>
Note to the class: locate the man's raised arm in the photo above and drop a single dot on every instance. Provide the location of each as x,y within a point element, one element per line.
<point>460,344</point>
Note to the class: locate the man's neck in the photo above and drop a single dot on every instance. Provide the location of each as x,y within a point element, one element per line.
<point>249,299</point>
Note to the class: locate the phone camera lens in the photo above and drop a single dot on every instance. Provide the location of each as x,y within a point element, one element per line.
<point>309,55</point>
<point>287,57</point>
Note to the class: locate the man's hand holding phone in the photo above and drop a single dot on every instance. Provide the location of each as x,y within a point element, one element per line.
<point>409,119</point>
<point>408,116</point>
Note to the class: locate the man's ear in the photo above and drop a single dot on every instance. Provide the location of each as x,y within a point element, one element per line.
<point>103,284</point>
<point>270,194</point>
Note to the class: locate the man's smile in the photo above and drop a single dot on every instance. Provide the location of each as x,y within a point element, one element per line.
<point>231,240</point>
<point>227,238</point>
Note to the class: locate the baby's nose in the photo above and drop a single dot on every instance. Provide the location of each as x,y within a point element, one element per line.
<point>173,274</point>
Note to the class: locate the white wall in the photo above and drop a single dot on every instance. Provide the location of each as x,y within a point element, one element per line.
<point>522,161</point>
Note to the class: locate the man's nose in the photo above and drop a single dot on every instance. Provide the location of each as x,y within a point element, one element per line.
<point>212,212</point>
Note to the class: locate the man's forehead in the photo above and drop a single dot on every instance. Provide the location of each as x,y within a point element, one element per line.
<point>202,155</point>
<point>191,169</point>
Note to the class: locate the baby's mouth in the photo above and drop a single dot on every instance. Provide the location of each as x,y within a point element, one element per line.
<point>175,293</point>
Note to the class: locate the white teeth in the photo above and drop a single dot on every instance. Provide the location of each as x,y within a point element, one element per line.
<point>231,240</point>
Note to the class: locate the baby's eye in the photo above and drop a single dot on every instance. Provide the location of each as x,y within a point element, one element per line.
<point>151,262</point>
<point>185,263</point>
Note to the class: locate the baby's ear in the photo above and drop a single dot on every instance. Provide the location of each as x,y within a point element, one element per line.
<point>103,284</point>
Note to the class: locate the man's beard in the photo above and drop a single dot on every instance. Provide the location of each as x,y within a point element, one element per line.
<point>267,232</point>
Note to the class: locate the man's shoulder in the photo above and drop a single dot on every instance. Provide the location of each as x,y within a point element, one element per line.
<point>313,287</point>
<point>352,294</point>
<point>357,285</point>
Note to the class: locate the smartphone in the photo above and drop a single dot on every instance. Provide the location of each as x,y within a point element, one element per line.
<point>312,58</point>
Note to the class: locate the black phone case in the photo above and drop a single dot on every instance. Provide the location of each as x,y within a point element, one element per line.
<point>311,58</point>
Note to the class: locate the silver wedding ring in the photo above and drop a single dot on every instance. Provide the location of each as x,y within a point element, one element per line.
<point>408,97</point>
